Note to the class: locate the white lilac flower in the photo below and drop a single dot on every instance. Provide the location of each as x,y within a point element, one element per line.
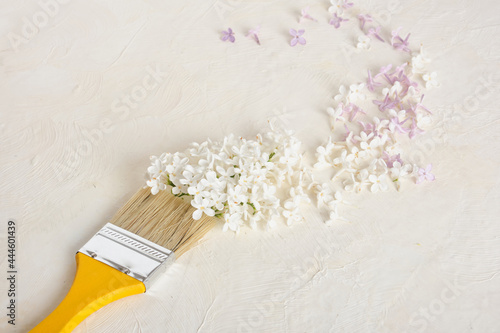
<point>298,195</point>
<point>430,80</point>
<point>289,160</point>
<point>321,160</point>
<point>245,180</point>
<point>202,206</point>
<point>418,61</point>
<point>198,149</point>
<point>218,200</point>
<point>292,216</point>
<point>356,92</point>
<point>413,94</point>
<point>400,114</point>
<point>394,90</point>
<point>156,185</point>
<point>268,191</point>
<point>342,163</point>
<point>324,153</point>
<point>417,64</point>
<point>208,160</point>
<point>196,190</point>
<point>190,176</point>
<point>351,185</point>
<point>399,171</point>
<point>333,217</point>
<point>357,181</point>
<point>393,149</point>
<point>157,168</point>
<point>363,137</point>
<point>363,42</point>
<point>377,165</point>
<point>337,198</point>
<point>323,194</point>
<point>342,95</point>
<point>378,183</point>
<point>423,120</point>
<point>211,182</point>
<point>370,147</point>
<point>356,155</point>
<point>232,222</point>
<point>380,124</point>
<point>255,219</point>
<point>336,114</point>
<point>225,173</point>
<point>237,195</point>
<point>175,162</point>
<point>336,7</point>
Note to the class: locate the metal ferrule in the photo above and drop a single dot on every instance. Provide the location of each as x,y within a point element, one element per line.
<point>129,253</point>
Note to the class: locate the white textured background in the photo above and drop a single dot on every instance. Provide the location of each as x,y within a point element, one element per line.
<point>423,260</point>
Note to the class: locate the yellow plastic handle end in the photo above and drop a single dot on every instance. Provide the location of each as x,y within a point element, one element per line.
<point>95,285</point>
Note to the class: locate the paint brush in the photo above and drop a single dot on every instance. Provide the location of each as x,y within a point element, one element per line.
<point>127,255</point>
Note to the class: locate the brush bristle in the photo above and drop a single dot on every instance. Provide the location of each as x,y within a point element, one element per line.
<point>163,219</point>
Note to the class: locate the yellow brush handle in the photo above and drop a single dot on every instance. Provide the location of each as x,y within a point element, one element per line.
<point>95,285</point>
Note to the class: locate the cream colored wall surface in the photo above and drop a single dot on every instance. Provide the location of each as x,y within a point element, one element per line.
<point>425,259</point>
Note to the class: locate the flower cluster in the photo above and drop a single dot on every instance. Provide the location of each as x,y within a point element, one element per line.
<point>237,179</point>
<point>369,155</point>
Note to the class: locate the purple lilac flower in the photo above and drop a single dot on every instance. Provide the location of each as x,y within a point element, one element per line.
<point>400,70</point>
<point>420,105</point>
<point>347,5</point>
<point>370,82</point>
<point>363,19</point>
<point>386,104</point>
<point>390,159</point>
<point>368,128</point>
<point>425,174</point>
<point>346,108</point>
<point>305,15</point>
<point>398,125</point>
<point>254,34</point>
<point>354,111</point>
<point>399,43</point>
<point>375,32</point>
<point>297,37</point>
<point>384,69</point>
<point>414,107</point>
<point>228,35</point>
<point>397,101</point>
<point>414,130</point>
<point>336,20</point>
<point>390,78</point>
<point>407,83</point>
